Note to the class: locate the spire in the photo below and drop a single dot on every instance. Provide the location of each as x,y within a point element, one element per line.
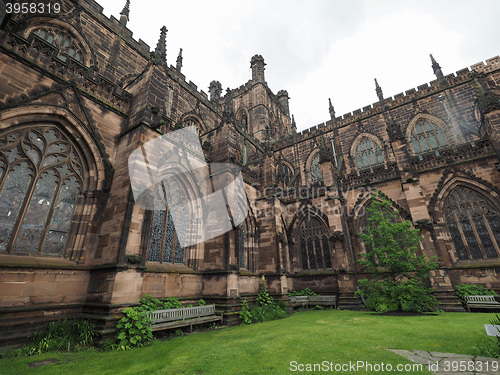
<point>160,54</point>
<point>436,68</point>
<point>331,109</point>
<point>378,90</point>
<point>179,61</point>
<point>294,125</point>
<point>124,15</point>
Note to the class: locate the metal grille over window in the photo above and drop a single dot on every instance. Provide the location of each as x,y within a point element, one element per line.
<point>314,248</point>
<point>368,153</point>
<point>474,224</point>
<point>427,136</point>
<point>62,40</point>
<point>40,179</point>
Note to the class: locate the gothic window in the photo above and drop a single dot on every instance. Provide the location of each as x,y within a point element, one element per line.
<point>426,136</point>
<point>66,45</point>
<point>168,231</point>
<point>368,153</point>
<point>285,174</point>
<point>242,248</point>
<point>313,245</point>
<point>316,170</point>
<point>192,122</point>
<point>474,224</point>
<point>244,122</point>
<point>41,176</point>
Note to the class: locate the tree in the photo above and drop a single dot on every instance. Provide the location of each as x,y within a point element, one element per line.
<point>400,276</point>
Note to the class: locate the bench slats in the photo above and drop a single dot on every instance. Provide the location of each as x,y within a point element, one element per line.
<point>313,300</point>
<point>483,302</point>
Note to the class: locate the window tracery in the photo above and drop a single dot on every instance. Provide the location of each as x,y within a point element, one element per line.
<point>166,238</point>
<point>316,176</point>
<point>368,153</point>
<point>64,42</point>
<point>313,245</point>
<point>426,136</point>
<point>41,176</point>
<point>474,224</point>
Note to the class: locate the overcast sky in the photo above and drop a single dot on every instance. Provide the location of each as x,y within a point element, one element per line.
<point>319,49</point>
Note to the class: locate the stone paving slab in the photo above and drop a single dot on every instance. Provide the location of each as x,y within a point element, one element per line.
<point>444,363</point>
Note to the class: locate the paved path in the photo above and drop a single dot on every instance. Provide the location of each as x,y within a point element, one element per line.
<point>445,363</point>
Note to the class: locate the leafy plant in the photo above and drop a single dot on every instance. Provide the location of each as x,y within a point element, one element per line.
<point>490,346</point>
<point>201,302</point>
<point>399,276</point>
<point>472,290</point>
<point>64,335</point>
<point>134,329</point>
<point>304,292</point>
<point>245,314</point>
<point>264,298</point>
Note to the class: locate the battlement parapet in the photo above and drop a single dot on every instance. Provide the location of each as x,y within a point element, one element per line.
<point>114,25</point>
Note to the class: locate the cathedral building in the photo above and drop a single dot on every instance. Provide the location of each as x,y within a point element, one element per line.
<point>78,95</point>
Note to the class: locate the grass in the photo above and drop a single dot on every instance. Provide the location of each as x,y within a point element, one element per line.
<point>268,348</point>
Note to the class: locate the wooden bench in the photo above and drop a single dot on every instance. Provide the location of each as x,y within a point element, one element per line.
<point>481,302</point>
<point>183,317</point>
<point>313,301</point>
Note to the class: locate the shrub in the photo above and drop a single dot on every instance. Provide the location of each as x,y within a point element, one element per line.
<point>64,335</point>
<point>472,290</point>
<point>489,346</point>
<point>134,329</point>
<point>305,292</point>
<point>149,303</point>
<point>245,314</point>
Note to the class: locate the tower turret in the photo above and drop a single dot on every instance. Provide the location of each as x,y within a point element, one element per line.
<point>215,89</point>
<point>283,99</point>
<point>257,64</point>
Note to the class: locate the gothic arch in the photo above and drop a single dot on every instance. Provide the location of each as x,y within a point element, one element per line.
<point>467,213</point>
<point>378,154</point>
<point>189,119</point>
<point>241,114</point>
<point>446,130</point>
<point>33,24</point>
<point>312,161</point>
<point>311,248</point>
<point>61,150</point>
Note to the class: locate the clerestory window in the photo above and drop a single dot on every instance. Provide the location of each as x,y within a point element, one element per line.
<point>368,153</point>
<point>426,136</point>
<point>66,45</point>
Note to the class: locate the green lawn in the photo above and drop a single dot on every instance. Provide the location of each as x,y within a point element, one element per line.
<point>268,348</point>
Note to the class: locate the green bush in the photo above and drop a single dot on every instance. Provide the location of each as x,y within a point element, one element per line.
<point>305,292</point>
<point>63,335</point>
<point>266,309</point>
<point>149,303</point>
<point>489,345</point>
<point>134,329</point>
<point>472,290</point>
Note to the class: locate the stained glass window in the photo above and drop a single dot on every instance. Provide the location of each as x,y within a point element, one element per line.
<point>368,153</point>
<point>473,223</point>
<point>314,248</point>
<point>426,136</point>
<point>66,44</point>
<point>168,230</point>
<point>316,176</point>
<point>40,179</point>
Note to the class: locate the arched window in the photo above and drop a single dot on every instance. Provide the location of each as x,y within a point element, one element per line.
<point>285,174</point>
<point>66,45</point>
<point>166,239</point>
<point>242,248</point>
<point>313,244</point>
<point>192,122</point>
<point>368,153</point>
<point>474,224</point>
<point>41,176</point>
<point>426,136</point>
<point>316,176</point>
<point>244,122</point>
